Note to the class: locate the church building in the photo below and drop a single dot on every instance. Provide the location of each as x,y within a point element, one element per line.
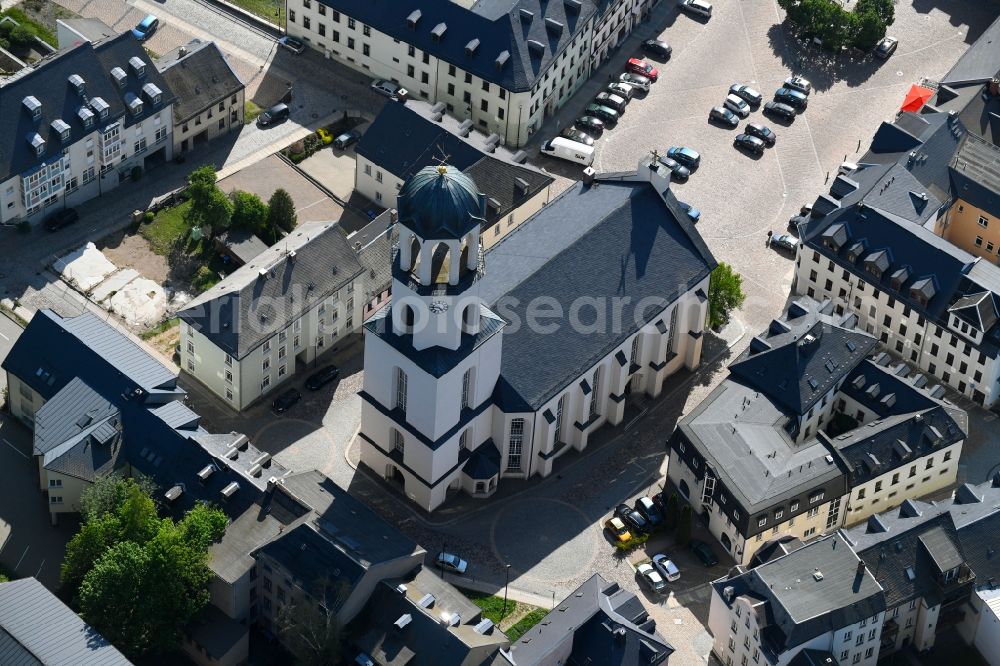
<point>491,365</point>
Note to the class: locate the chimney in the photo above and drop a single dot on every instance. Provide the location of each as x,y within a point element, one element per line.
<point>861,567</point>
<point>994,87</point>
<point>272,482</point>
<point>393,215</point>
<point>588,176</point>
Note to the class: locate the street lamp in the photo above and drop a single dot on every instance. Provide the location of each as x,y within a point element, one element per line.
<point>506,582</point>
<point>444,549</point>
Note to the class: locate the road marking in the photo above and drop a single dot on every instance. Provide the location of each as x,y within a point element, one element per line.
<point>4,337</point>
<point>20,453</point>
<point>18,565</point>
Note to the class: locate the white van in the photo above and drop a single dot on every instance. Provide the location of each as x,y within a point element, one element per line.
<point>570,151</point>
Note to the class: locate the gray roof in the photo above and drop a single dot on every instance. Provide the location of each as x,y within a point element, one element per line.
<point>266,295</point>
<point>605,241</point>
<point>589,617</point>
<point>811,591</point>
<point>37,628</point>
<point>980,62</point>
<point>48,83</point>
<point>91,28</point>
<point>242,244</point>
<point>376,240</point>
<point>74,411</point>
<point>515,40</point>
<point>215,631</point>
<point>200,78</point>
<point>975,173</point>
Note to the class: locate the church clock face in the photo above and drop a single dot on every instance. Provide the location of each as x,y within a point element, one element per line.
<point>438,307</point>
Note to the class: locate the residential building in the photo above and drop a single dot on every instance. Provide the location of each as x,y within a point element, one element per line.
<point>210,96</point>
<point>374,244</point>
<point>809,432</point>
<point>599,623</point>
<point>422,620</point>
<point>976,205</point>
<point>504,67</point>
<point>263,322</point>
<point>37,628</point>
<point>77,124</point>
<point>464,386</point>
<point>985,629</point>
<point>820,598</point>
<point>404,138</point>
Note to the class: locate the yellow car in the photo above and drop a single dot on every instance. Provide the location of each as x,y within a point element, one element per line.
<point>617,529</point>
<point>324,136</point>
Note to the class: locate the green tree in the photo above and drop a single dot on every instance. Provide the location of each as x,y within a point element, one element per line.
<point>249,211</point>
<point>109,492</point>
<point>684,526</point>
<point>725,294</point>
<point>885,10</point>
<point>870,30</point>
<point>201,181</point>
<point>281,210</point>
<point>670,514</point>
<point>21,35</point>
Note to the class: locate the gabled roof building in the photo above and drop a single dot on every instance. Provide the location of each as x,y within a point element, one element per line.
<point>811,431</point>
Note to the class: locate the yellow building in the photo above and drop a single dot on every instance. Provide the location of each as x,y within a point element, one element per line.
<point>973,220</point>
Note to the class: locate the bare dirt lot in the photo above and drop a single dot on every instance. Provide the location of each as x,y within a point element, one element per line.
<point>133,251</point>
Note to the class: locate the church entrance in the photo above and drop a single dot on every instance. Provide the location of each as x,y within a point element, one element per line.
<point>394,476</point>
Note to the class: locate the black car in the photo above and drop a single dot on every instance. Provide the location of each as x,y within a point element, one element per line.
<point>703,552</point>
<point>762,132</point>
<point>276,114</point>
<point>751,144</point>
<point>747,94</point>
<point>794,98</point>
<point>679,171</point>
<point>647,508</point>
<point>780,110</point>
<point>605,113</point>
<point>321,378</point>
<point>347,139</point>
<point>63,218</point>
<point>611,101</point>
<point>634,520</point>
<point>285,401</point>
<point>657,47</point>
<point>590,125</point>
<point>723,116</point>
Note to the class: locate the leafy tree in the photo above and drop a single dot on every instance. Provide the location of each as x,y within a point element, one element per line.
<point>21,35</point>
<point>105,495</point>
<point>684,526</point>
<point>312,631</point>
<point>725,294</point>
<point>201,181</point>
<point>885,10</point>
<point>281,210</point>
<point>670,513</point>
<point>249,211</point>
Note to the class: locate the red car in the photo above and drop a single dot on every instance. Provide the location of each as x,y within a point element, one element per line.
<point>642,67</point>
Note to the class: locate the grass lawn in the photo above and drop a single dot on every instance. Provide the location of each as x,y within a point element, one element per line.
<point>265,9</point>
<point>250,112</point>
<point>166,228</point>
<point>522,626</point>
<point>518,619</point>
<point>41,31</point>
<point>492,606</point>
<point>162,327</point>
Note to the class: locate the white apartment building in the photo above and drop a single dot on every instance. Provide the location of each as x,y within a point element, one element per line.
<point>809,434</point>
<point>504,67</point>
<point>456,393</point>
<point>270,318</point>
<point>77,123</point>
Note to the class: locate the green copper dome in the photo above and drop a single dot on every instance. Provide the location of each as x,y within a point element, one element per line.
<point>440,202</point>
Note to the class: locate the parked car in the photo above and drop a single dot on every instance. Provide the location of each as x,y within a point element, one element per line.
<point>322,377</point>
<point>737,105</point>
<point>146,28</point>
<point>749,143</point>
<point>605,113</point>
<point>294,45</point>
<point>276,114</point>
<point>748,94</point>
<point>578,136</point>
<point>657,47</point>
<point>451,562</point>
<point>886,47</point>
<point>651,578</point>
<point>623,90</point>
<point>347,139</point>
<point>633,520</point>
<point>391,90</point>
<point>762,132</point>
<point>796,99</point>
<point>666,568</point>
<point>636,80</point>
<point>696,7</point>
<point>642,68</point>
<point>799,83</point>
<point>611,101</point>
<point>286,400</point>
<point>617,529</point>
<point>645,506</point>
<point>786,242</point>
<point>590,124</point>
<point>703,552</point>
<point>63,218</point>
<point>780,110</point>
<point>721,114</point>
<point>794,220</point>
<point>678,171</point>
<point>694,215</point>
<point>686,156</point>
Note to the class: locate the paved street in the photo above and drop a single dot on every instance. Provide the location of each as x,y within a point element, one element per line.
<point>9,331</point>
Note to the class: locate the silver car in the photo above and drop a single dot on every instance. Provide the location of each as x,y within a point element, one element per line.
<point>389,89</point>
<point>799,83</point>
<point>636,80</point>
<point>737,105</point>
<point>696,7</point>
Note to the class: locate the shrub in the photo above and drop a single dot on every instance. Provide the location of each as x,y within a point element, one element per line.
<point>22,35</point>
<point>632,544</point>
<point>149,216</point>
<point>203,279</point>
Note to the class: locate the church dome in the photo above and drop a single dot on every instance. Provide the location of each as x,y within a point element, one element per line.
<point>440,202</point>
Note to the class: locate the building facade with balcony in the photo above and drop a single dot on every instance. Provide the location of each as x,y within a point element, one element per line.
<point>465,385</point>
<point>77,124</point>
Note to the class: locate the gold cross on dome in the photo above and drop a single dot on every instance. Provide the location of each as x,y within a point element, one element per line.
<point>442,161</point>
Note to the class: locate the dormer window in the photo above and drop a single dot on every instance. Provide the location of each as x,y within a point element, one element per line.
<point>437,34</point>
<point>101,107</point>
<point>855,251</point>
<point>413,19</point>
<point>61,128</point>
<point>33,107</point>
<point>120,77</point>
<point>78,83</point>
<point>86,117</point>
<point>472,47</point>
<point>37,142</point>
<point>153,93</point>
<point>138,66</point>
<point>899,278</point>
<point>134,104</point>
